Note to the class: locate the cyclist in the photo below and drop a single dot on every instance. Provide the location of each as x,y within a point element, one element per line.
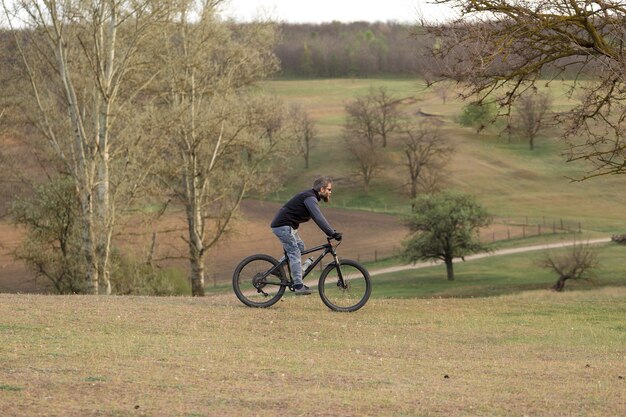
<point>301,208</point>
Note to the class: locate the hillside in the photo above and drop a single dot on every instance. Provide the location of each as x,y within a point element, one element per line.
<point>528,192</point>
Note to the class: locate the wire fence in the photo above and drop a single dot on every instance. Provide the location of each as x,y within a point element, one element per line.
<point>504,229</point>
<point>501,230</point>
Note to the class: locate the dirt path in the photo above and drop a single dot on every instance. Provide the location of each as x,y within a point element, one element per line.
<point>510,251</point>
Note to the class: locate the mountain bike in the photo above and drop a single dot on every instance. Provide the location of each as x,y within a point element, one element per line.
<point>344,285</point>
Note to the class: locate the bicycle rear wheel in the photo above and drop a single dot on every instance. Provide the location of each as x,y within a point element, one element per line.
<point>258,281</point>
<point>346,287</point>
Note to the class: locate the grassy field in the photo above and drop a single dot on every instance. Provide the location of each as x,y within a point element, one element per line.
<point>499,275</point>
<point>495,342</point>
<point>506,177</point>
<point>535,354</point>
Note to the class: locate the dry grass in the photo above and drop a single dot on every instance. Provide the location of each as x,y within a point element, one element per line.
<point>538,353</point>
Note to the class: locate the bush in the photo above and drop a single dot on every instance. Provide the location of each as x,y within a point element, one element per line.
<point>132,277</point>
<point>477,115</point>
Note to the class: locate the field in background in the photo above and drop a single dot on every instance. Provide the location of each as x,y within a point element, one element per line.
<point>535,354</point>
<point>531,352</point>
<point>528,192</point>
<point>513,182</point>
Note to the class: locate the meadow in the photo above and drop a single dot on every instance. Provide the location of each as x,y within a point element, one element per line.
<point>508,178</point>
<point>494,342</point>
<point>531,354</point>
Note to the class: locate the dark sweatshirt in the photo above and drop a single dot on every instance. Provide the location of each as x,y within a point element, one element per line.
<point>302,208</point>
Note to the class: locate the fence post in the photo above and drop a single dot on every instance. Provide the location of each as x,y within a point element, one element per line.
<point>539,229</point>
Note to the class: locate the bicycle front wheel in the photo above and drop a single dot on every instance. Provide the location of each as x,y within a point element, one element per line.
<point>345,287</point>
<point>259,281</point>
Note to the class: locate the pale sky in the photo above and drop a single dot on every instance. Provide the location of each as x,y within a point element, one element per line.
<point>318,11</point>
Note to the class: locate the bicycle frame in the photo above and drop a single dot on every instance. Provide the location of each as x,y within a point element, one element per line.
<point>325,248</point>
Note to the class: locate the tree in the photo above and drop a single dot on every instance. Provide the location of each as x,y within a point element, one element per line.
<point>576,264</point>
<point>369,122</point>
<point>426,150</point>
<point>387,116</point>
<point>362,119</point>
<point>445,226</point>
<point>532,112</point>
<point>500,49</point>
<point>223,140</point>
<point>52,243</point>
<point>368,158</point>
<point>84,72</point>
<point>303,130</point>
<point>477,115</point>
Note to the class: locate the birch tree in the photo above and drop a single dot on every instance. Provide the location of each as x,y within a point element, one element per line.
<point>85,71</point>
<point>219,144</point>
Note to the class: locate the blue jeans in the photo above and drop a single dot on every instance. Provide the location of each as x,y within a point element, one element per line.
<point>293,246</point>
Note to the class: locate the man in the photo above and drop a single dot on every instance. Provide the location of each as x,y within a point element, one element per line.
<point>301,208</point>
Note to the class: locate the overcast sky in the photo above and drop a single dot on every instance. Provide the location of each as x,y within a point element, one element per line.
<point>317,11</point>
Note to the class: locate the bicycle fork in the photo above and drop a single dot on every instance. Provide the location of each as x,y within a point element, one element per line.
<point>341,283</point>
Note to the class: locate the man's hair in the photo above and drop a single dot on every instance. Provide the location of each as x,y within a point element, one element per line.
<point>321,182</point>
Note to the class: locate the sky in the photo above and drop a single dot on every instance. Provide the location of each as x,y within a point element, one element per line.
<point>319,11</point>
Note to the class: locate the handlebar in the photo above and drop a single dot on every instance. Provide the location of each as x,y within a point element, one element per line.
<point>329,239</point>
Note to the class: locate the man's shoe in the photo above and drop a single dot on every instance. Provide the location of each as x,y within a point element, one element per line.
<point>302,290</point>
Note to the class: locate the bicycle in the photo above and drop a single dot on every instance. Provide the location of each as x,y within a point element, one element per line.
<point>344,285</point>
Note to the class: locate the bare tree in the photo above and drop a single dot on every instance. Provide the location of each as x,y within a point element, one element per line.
<point>369,122</point>
<point>84,72</point>
<point>368,158</point>
<point>362,119</point>
<point>303,130</point>
<point>531,115</point>
<point>578,263</point>
<point>387,115</point>
<point>501,49</point>
<point>222,139</point>
<point>427,150</point>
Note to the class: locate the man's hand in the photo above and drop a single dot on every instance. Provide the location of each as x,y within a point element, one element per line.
<point>337,236</point>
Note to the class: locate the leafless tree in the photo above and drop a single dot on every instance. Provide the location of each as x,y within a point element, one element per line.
<point>501,49</point>
<point>531,115</point>
<point>387,115</point>
<point>222,138</point>
<point>303,130</point>
<point>427,150</point>
<point>362,119</point>
<point>578,263</point>
<point>368,159</point>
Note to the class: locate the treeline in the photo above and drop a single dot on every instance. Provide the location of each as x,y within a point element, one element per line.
<point>358,49</point>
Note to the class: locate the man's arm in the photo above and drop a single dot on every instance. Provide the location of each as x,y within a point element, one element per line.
<point>317,216</point>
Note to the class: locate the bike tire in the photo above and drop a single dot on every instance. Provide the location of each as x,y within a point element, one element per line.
<point>357,291</point>
<point>251,269</point>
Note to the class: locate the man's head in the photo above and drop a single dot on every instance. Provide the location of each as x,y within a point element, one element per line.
<point>324,186</point>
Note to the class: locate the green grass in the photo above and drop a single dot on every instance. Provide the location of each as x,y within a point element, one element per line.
<point>537,353</point>
<point>498,275</point>
<point>507,178</point>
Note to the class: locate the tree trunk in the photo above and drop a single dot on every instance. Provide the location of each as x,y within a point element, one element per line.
<point>197,276</point>
<point>560,284</point>
<point>449,268</point>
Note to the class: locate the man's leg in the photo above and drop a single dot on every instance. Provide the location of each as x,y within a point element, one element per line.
<point>291,243</point>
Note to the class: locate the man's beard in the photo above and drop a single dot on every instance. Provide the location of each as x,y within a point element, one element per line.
<point>325,198</point>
